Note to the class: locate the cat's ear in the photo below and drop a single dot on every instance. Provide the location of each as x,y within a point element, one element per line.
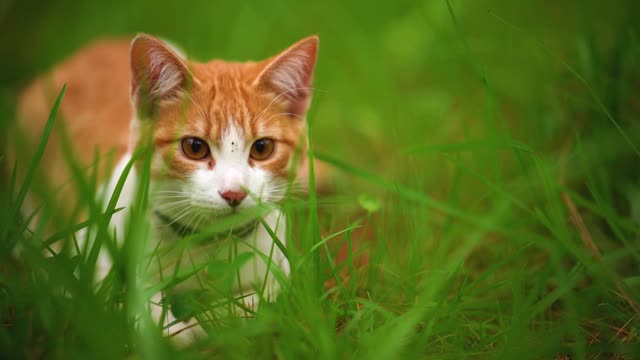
<point>158,74</point>
<point>288,75</point>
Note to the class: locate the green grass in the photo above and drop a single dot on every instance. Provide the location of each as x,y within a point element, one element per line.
<point>461,133</point>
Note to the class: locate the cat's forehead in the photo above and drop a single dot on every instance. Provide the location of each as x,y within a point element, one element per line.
<point>228,110</point>
<point>226,73</point>
<point>223,101</point>
<point>225,98</point>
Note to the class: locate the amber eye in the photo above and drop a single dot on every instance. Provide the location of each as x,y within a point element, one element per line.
<point>194,148</point>
<point>262,149</point>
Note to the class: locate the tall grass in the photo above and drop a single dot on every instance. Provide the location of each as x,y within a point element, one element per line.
<point>486,161</point>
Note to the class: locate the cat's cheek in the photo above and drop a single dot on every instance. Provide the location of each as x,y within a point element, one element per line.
<point>279,163</point>
<point>170,196</point>
<point>264,185</point>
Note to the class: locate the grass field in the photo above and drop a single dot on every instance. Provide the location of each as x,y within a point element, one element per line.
<point>487,160</point>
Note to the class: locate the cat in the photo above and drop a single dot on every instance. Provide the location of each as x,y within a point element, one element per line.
<point>225,139</point>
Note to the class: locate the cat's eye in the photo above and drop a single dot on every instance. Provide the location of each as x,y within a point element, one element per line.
<point>194,148</point>
<point>262,149</point>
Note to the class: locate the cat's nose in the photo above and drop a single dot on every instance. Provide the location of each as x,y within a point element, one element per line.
<point>233,198</point>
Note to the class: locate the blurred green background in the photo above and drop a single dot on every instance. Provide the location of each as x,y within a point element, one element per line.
<point>391,74</point>
<point>462,124</point>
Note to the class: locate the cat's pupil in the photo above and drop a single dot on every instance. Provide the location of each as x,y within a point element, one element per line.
<point>196,146</point>
<point>260,146</point>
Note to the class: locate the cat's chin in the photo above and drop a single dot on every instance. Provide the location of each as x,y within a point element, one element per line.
<point>204,220</point>
<point>233,214</point>
<point>223,212</point>
<point>234,220</point>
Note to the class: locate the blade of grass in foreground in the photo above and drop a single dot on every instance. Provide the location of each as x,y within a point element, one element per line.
<point>146,334</point>
<point>313,230</point>
<point>44,140</point>
<point>73,229</point>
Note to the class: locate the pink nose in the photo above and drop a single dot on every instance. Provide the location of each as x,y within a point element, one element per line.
<point>233,198</point>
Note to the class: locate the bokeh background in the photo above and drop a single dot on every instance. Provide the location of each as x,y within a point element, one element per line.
<point>458,129</point>
<point>391,75</point>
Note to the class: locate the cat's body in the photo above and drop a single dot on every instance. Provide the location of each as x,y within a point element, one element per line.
<point>223,138</point>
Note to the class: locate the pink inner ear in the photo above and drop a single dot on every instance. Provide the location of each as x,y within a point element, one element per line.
<point>157,72</point>
<point>289,75</point>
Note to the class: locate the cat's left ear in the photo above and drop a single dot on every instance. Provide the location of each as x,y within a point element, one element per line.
<point>289,75</point>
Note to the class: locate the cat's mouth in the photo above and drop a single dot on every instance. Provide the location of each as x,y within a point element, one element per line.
<point>239,229</point>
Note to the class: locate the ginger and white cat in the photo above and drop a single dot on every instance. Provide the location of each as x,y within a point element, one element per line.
<point>223,136</point>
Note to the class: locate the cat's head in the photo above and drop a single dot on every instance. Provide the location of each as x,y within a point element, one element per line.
<point>224,134</point>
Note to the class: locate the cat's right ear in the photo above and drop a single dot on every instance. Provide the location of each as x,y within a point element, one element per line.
<point>288,76</point>
<point>158,74</point>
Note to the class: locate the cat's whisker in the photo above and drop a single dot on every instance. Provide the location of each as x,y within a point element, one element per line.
<point>183,214</point>
<point>298,189</point>
<point>293,185</point>
<point>285,113</point>
<point>203,215</point>
<point>173,205</point>
<point>171,198</point>
<point>171,192</point>
<point>181,209</point>
<point>159,196</point>
<point>203,218</point>
<point>189,223</point>
<point>164,198</point>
